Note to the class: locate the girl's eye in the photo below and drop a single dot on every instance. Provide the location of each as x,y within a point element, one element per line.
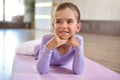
<point>69,21</point>
<point>58,21</point>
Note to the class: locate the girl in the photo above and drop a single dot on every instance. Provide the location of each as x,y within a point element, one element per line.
<point>60,48</point>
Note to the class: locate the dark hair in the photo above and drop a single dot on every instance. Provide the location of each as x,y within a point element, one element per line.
<point>71,6</point>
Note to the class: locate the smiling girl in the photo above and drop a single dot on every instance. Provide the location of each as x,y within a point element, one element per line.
<point>60,48</point>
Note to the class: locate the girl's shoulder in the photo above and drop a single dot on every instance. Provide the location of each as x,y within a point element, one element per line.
<point>47,37</point>
<point>79,37</point>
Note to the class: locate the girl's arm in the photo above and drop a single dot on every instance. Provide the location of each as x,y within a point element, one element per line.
<point>78,60</point>
<point>46,49</point>
<point>44,60</point>
<point>44,56</point>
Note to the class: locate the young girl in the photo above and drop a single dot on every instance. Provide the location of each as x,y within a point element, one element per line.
<point>60,48</point>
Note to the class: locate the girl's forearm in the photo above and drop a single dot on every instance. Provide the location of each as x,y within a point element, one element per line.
<point>78,61</point>
<point>44,60</point>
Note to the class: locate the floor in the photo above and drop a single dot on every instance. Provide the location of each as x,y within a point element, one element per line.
<point>103,49</point>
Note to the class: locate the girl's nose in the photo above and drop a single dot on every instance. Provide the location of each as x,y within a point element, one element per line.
<point>64,25</point>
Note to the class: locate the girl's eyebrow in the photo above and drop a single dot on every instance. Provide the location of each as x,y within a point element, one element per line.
<point>58,19</point>
<point>63,19</point>
<point>70,19</point>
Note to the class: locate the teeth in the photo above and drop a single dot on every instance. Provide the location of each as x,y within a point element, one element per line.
<point>64,32</point>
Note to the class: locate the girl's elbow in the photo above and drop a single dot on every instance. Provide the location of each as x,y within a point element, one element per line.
<point>41,70</point>
<point>77,72</point>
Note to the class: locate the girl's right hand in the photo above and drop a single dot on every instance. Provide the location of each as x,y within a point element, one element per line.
<point>55,42</point>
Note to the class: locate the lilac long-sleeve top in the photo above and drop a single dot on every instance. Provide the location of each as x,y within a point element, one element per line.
<point>47,58</point>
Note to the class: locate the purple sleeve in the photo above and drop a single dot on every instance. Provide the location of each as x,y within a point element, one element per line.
<point>78,60</point>
<point>44,56</point>
<point>44,60</point>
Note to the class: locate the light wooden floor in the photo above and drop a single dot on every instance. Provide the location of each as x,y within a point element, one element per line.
<point>104,49</point>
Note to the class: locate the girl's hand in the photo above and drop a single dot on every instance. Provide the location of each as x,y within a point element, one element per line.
<point>73,41</point>
<point>55,42</point>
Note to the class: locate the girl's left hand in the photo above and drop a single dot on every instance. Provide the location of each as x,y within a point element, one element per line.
<point>73,41</point>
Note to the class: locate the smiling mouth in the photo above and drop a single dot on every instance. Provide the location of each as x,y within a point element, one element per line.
<point>64,32</point>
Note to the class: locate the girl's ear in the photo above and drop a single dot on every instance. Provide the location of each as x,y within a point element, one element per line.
<point>79,25</point>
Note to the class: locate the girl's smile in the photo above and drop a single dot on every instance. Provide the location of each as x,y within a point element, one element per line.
<point>64,34</point>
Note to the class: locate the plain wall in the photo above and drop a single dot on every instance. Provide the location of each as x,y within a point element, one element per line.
<point>97,9</point>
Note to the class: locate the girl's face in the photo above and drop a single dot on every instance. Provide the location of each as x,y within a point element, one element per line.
<point>65,23</point>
